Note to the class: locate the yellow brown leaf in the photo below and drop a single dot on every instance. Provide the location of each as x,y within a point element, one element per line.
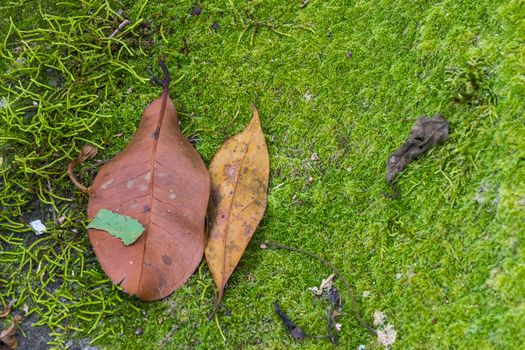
<point>239,179</point>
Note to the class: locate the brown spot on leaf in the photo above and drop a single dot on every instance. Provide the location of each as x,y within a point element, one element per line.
<point>156,134</point>
<point>248,229</point>
<point>232,247</point>
<point>230,171</point>
<point>166,259</point>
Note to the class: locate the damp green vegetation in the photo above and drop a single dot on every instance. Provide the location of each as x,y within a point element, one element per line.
<point>337,85</point>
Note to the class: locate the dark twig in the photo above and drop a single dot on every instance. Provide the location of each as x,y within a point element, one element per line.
<point>296,332</point>
<point>335,271</point>
<point>87,151</point>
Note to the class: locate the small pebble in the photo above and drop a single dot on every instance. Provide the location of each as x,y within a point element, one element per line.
<point>38,227</point>
<point>139,331</point>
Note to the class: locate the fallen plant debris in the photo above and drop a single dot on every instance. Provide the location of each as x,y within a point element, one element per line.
<point>122,25</point>
<point>334,311</point>
<point>160,180</point>
<point>334,297</point>
<point>330,293</point>
<point>325,285</point>
<point>239,174</point>
<point>8,339</point>
<point>87,151</point>
<point>7,310</point>
<point>386,334</point>
<point>121,226</point>
<point>296,332</point>
<point>425,133</point>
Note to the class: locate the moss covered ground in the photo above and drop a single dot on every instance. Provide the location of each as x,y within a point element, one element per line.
<point>338,79</point>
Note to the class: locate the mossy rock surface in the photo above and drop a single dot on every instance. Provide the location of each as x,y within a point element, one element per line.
<point>444,262</point>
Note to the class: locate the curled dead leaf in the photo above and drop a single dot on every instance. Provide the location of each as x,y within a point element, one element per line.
<point>5,312</point>
<point>425,133</point>
<point>239,179</point>
<point>8,335</point>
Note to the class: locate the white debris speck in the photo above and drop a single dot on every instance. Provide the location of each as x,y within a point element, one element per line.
<point>379,318</point>
<point>399,275</point>
<point>338,326</point>
<point>308,96</point>
<point>38,227</point>
<point>361,347</point>
<point>386,336</point>
<point>366,294</point>
<point>3,102</point>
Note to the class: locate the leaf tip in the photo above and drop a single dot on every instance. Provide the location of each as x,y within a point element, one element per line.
<point>255,112</point>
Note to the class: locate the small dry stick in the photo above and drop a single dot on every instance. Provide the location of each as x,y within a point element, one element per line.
<point>87,151</point>
<point>122,25</point>
<point>334,270</point>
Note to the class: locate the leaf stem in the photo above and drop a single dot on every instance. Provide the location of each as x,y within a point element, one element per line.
<point>216,307</point>
<point>167,78</point>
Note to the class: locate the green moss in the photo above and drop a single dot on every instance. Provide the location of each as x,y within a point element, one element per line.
<point>443,261</point>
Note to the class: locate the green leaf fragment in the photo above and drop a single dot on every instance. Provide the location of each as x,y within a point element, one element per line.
<point>121,226</point>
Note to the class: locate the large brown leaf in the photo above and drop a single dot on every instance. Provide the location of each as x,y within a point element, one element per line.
<point>239,180</point>
<point>161,181</point>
